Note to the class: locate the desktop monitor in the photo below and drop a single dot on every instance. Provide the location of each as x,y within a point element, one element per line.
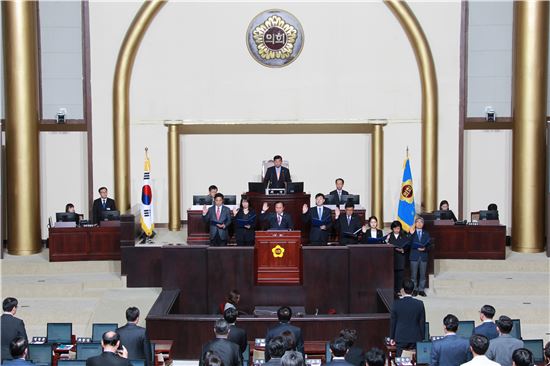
<point>426,331</point>
<point>516,329</point>
<point>331,199</point>
<point>59,333</point>
<point>40,353</point>
<point>353,198</point>
<point>87,350</point>
<point>423,352</point>
<point>71,362</point>
<point>110,215</point>
<point>488,215</point>
<point>256,187</point>
<point>443,215</point>
<point>99,328</point>
<point>465,328</point>
<point>294,187</point>
<point>229,199</point>
<point>202,200</point>
<point>536,346</point>
<point>65,217</point>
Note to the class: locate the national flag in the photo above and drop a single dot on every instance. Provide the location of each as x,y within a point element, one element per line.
<point>406,210</point>
<point>146,219</point>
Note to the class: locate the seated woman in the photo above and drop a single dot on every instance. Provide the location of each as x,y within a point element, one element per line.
<point>493,207</point>
<point>69,208</point>
<point>245,223</point>
<point>233,298</point>
<point>371,233</point>
<point>401,241</point>
<point>444,206</point>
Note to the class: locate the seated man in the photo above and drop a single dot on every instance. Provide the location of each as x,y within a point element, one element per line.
<point>103,203</point>
<point>338,348</point>
<point>111,356</point>
<point>19,349</point>
<point>134,337</point>
<point>375,357</point>
<point>451,350</point>
<point>279,220</point>
<point>348,225</point>
<point>487,327</point>
<point>219,217</point>
<point>522,357</point>
<point>284,314</point>
<point>321,220</point>
<point>339,191</point>
<point>501,348</point>
<point>292,358</point>
<point>355,355</point>
<point>226,350</point>
<point>479,344</point>
<point>276,349</point>
<point>277,175</point>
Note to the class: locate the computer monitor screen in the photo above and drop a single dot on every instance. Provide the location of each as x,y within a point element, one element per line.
<point>516,329</point>
<point>40,353</point>
<point>72,362</point>
<point>331,199</point>
<point>202,200</point>
<point>488,215</point>
<point>65,217</point>
<point>99,328</point>
<point>229,199</point>
<point>423,352</point>
<point>137,362</point>
<point>59,332</point>
<point>353,198</point>
<point>426,331</point>
<point>465,328</point>
<point>443,215</point>
<point>110,215</point>
<point>295,187</point>
<point>536,347</point>
<point>87,350</point>
<point>256,187</point>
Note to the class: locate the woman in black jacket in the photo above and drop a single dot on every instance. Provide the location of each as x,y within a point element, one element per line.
<point>245,223</point>
<point>400,240</point>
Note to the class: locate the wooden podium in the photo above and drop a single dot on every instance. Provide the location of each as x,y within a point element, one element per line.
<point>278,258</point>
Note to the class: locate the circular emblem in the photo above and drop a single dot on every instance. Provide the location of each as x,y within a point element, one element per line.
<point>278,251</point>
<point>275,38</point>
<point>407,193</point>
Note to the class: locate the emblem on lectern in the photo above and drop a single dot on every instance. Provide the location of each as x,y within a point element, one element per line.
<point>275,38</point>
<point>278,251</point>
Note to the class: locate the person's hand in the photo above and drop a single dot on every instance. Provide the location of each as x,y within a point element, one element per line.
<point>304,209</point>
<point>265,207</point>
<point>364,229</point>
<point>400,250</point>
<point>247,226</point>
<point>421,249</point>
<point>392,342</point>
<point>221,226</point>
<point>336,213</point>
<point>204,210</point>
<point>323,227</point>
<point>387,240</point>
<point>412,229</point>
<point>235,211</point>
<point>123,352</point>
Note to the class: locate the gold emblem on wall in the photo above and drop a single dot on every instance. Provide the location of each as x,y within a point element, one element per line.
<point>278,251</point>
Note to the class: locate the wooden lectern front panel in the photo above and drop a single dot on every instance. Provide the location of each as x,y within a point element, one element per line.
<point>278,258</point>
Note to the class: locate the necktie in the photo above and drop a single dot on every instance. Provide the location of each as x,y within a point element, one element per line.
<point>104,203</point>
<point>218,214</point>
<point>419,234</point>
<point>278,172</point>
<point>279,219</point>
<point>320,212</point>
<point>349,220</point>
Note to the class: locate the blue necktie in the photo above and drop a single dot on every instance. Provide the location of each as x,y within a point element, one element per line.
<point>320,212</point>
<point>419,234</point>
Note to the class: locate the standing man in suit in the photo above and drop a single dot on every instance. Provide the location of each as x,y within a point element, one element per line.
<point>111,356</point>
<point>321,220</point>
<point>219,217</point>
<point>339,348</point>
<point>236,335</point>
<point>501,348</point>
<point>451,350</point>
<point>12,327</point>
<point>277,175</point>
<point>284,314</point>
<point>355,355</point>
<point>339,191</point>
<point>226,350</point>
<point>280,220</point>
<point>420,244</point>
<point>276,349</point>
<point>103,203</point>
<point>487,327</point>
<point>134,338</point>
<point>347,225</point>
<point>19,349</point>
<point>479,344</point>
<point>408,318</point>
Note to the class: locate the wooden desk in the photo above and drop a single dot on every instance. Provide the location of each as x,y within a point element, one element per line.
<point>84,243</point>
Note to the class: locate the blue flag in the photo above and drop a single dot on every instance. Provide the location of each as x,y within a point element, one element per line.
<point>406,210</point>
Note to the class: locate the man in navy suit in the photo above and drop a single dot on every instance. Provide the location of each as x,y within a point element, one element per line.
<point>276,349</point>
<point>408,318</point>
<point>277,175</point>
<point>338,348</point>
<point>284,314</point>
<point>487,328</point>
<point>347,224</point>
<point>420,244</point>
<point>226,350</point>
<point>12,327</point>
<point>103,203</point>
<point>236,335</point>
<point>219,217</point>
<point>451,350</point>
<point>280,220</point>
<point>339,191</point>
<point>321,220</point>
<point>18,350</point>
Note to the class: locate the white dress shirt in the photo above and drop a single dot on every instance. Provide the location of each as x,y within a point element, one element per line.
<point>481,361</point>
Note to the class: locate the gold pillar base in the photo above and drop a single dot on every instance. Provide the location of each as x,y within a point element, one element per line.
<point>24,252</point>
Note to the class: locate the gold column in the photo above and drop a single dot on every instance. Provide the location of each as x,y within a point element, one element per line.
<point>19,19</point>
<point>530,79</point>
<point>429,117</point>
<point>377,172</point>
<point>174,197</point>
<point>121,98</point>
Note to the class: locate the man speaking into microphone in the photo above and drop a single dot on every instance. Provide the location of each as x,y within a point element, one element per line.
<point>277,175</point>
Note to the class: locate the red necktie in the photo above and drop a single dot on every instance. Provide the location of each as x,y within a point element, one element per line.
<point>218,214</point>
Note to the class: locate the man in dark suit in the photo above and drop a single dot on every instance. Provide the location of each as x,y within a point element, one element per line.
<point>347,225</point>
<point>420,244</point>
<point>292,358</point>
<point>219,217</point>
<point>280,220</point>
<point>355,355</point>
<point>226,350</point>
<point>276,349</point>
<point>285,314</point>
<point>236,335</point>
<point>408,318</point>
<point>103,203</point>
<point>321,221</point>
<point>12,327</point>
<point>522,357</point>
<point>339,348</point>
<point>277,175</point>
<point>451,350</point>
<point>375,357</point>
<point>134,338</point>
<point>19,349</point>
<point>110,341</point>
<point>339,191</point>
<point>487,328</point>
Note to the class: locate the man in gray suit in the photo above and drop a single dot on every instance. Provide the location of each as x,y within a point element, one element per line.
<point>219,217</point>
<point>502,347</point>
<point>451,350</point>
<point>134,338</point>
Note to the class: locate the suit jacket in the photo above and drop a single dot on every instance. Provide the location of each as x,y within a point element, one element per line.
<point>365,236</point>
<point>135,339</point>
<point>408,318</point>
<point>271,218</point>
<point>270,179</point>
<point>342,227</point>
<point>501,349</point>
<point>12,327</point>
<point>356,356</point>
<point>273,362</point>
<point>245,236</point>
<point>338,363</point>
<point>225,349</point>
<point>480,361</point>
<point>238,336</point>
<point>335,194</point>
<point>107,359</point>
<point>424,241</point>
<point>225,217</point>
<point>98,208</point>
<point>20,362</point>
<point>280,329</point>
<point>316,235</point>
<point>451,350</point>
<point>399,259</point>
<point>488,329</point>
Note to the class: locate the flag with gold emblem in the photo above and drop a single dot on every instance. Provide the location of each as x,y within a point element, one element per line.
<point>406,210</point>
